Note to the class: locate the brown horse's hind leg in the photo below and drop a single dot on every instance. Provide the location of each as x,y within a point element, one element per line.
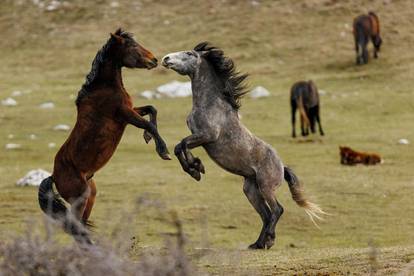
<point>73,187</point>
<point>90,202</point>
<point>257,201</point>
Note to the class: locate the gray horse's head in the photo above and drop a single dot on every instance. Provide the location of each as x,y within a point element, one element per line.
<point>184,62</point>
<point>205,58</point>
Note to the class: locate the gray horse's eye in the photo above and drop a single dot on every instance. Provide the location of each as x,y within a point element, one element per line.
<point>189,53</point>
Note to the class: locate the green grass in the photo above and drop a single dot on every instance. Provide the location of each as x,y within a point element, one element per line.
<point>48,54</point>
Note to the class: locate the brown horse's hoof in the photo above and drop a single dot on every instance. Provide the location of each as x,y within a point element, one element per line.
<point>165,156</point>
<point>255,246</point>
<point>147,137</point>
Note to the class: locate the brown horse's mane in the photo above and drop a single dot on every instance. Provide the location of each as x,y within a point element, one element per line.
<point>234,87</point>
<point>101,57</point>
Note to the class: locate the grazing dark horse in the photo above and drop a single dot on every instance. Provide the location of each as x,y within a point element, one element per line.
<point>366,27</point>
<point>104,110</point>
<point>305,97</point>
<point>215,125</point>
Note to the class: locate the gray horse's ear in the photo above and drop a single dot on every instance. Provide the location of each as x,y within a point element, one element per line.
<point>204,53</point>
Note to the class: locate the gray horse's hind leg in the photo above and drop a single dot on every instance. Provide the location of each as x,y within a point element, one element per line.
<point>257,201</point>
<point>267,189</point>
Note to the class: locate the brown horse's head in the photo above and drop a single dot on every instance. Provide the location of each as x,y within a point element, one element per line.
<point>129,53</point>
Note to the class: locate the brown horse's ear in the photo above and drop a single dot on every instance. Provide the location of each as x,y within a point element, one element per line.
<point>119,39</point>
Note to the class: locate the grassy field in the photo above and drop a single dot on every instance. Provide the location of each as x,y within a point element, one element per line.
<point>46,55</point>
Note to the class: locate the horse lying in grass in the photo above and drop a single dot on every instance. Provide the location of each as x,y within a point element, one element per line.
<point>304,96</point>
<point>351,157</point>
<point>104,110</point>
<point>215,125</point>
<point>366,27</point>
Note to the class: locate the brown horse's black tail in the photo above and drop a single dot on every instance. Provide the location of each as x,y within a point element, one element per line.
<point>53,206</point>
<point>50,202</point>
<point>313,210</point>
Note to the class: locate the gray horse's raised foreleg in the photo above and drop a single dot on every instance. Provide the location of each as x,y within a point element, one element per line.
<point>252,193</point>
<point>190,164</point>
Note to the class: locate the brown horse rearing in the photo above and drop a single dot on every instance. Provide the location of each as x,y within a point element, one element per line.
<point>104,110</point>
<point>366,27</point>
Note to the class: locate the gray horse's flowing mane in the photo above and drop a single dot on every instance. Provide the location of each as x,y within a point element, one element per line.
<point>234,87</point>
<point>101,56</point>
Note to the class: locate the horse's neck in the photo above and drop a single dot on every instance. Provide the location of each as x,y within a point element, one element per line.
<point>206,88</point>
<point>111,73</point>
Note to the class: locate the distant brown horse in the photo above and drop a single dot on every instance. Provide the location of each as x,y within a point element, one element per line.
<point>304,96</point>
<point>104,110</point>
<point>366,27</point>
<point>352,157</point>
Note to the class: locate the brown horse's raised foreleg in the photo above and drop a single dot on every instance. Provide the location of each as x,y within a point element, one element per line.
<point>252,193</point>
<point>133,118</point>
<point>152,112</point>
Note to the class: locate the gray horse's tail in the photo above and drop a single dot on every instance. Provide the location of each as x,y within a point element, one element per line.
<point>53,206</point>
<point>312,209</point>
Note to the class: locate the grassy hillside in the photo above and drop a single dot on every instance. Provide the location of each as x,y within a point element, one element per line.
<point>46,55</point>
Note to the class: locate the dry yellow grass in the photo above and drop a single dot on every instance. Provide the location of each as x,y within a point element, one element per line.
<point>278,42</point>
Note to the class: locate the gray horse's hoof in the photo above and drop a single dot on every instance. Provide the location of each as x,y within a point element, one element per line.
<point>255,246</point>
<point>269,242</point>
<point>195,174</point>
<point>198,165</point>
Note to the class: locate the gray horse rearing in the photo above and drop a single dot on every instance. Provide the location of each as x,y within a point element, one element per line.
<point>215,125</point>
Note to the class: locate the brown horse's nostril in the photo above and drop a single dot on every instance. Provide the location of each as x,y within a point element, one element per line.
<point>155,60</point>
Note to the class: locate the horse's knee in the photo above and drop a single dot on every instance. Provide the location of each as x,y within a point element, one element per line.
<point>178,149</point>
<point>152,110</point>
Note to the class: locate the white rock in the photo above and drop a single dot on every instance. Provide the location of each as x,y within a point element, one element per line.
<point>10,136</point>
<point>148,94</point>
<point>259,92</point>
<point>51,145</point>
<point>403,141</point>
<point>9,102</point>
<point>322,92</point>
<point>114,4</point>
<point>53,5</point>
<point>175,89</point>
<point>47,105</point>
<point>343,34</point>
<point>61,127</point>
<point>33,178</point>
<point>16,93</point>
<point>12,146</point>
<point>32,137</point>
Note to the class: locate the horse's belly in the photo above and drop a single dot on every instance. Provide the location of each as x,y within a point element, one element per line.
<point>232,160</point>
<point>95,148</point>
